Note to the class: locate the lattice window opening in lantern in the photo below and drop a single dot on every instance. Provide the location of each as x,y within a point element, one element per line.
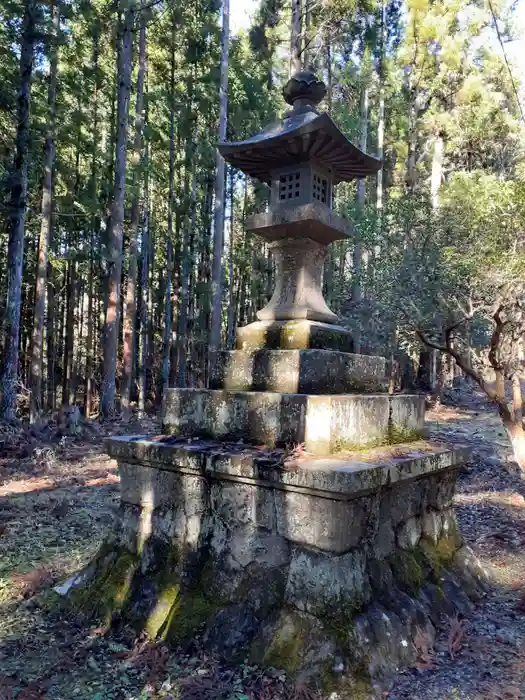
<point>320,188</point>
<point>289,186</point>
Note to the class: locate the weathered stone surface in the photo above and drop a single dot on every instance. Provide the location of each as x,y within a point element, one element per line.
<point>329,586</point>
<point>432,524</point>
<point>312,220</point>
<point>240,504</point>
<point>298,282</point>
<point>384,541</point>
<point>441,490</point>
<point>296,642</point>
<point>446,600</point>
<point>324,423</point>
<point>407,417</point>
<point>293,335</point>
<point>298,371</point>
<point>382,640</point>
<point>359,420</point>
<point>409,533</point>
<point>150,486</point>
<point>329,525</point>
<point>468,569</point>
<point>342,475</point>
<point>231,630</point>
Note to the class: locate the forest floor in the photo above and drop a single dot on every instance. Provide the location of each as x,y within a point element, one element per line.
<point>57,497</point>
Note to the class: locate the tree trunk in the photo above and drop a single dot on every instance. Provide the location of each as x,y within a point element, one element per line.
<point>230,333</point>
<point>95,236</point>
<point>187,253</point>
<point>381,116</point>
<point>437,170</point>
<point>357,262</point>
<point>218,239</point>
<point>35,381</point>
<point>168,311</point>
<point>295,37</point>
<point>15,250</point>
<point>70,330</point>
<point>50,341</point>
<point>116,230</point>
<point>144,351</point>
<point>131,289</point>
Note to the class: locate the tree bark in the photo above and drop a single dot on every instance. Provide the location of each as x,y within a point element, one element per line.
<point>230,333</point>
<point>95,236</point>
<point>131,289</point>
<point>437,170</point>
<point>50,341</point>
<point>187,253</point>
<point>357,261</point>
<point>18,204</point>
<point>116,230</point>
<point>295,37</point>
<point>35,381</point>
<point>381,116</point>
<point>168,334</point>
<point>144,350</point>
<point>218,239</point>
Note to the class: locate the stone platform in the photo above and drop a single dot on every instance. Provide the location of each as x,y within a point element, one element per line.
<point>308,565</point>
<point>298,371</point>
<point>323,423</point>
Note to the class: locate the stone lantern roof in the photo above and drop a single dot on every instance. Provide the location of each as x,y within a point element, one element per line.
<point>304,135</point>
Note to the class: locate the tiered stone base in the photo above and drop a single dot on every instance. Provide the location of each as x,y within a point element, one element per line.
<point>333,568</point>
<point>322,423</point>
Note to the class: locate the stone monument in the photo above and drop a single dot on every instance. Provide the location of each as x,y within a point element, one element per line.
<point>291,514</point>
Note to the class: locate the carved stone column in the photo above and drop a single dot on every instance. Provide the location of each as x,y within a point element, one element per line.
<point>298,289</point>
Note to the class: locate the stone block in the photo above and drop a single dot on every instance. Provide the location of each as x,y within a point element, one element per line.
<point>236,504</point>
<point>384,541</point>
<point>407,417</point>
<point>330,585</point>
<point>432,523</point>
<point>358,421</point>
<point>441,488</point>
<point>311,220</point>
<point>147,486</point>
<point>409,533</point>
<point>323,423</point>
<point>298,371</point>
<point>328,525</point>
<point>293,335</point>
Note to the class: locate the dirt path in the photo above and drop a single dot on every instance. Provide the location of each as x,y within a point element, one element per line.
<point>57,501</point>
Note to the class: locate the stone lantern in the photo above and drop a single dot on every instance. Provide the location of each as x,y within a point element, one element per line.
<point>291,512</point>
<point>302,158</point>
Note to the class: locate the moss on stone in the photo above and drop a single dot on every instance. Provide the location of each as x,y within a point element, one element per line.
<point>190,610</point>
<point>342,445</point>
<point>338,619</point>
<point>399,433</point>
<point>159,616</point>
<point>286,650</point>
<point>107,590</point>
<point>437,556</point>
<point>407,570</point>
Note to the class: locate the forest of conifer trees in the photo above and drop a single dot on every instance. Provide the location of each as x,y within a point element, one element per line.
<point>125,258</point>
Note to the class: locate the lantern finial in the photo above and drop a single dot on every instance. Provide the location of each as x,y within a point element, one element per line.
<point>304,89</point>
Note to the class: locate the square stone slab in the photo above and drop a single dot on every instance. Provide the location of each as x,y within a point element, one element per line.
<point>322,423</point>
<point>327,504</point>
<point>298,371</point>
<point>294,335</point>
